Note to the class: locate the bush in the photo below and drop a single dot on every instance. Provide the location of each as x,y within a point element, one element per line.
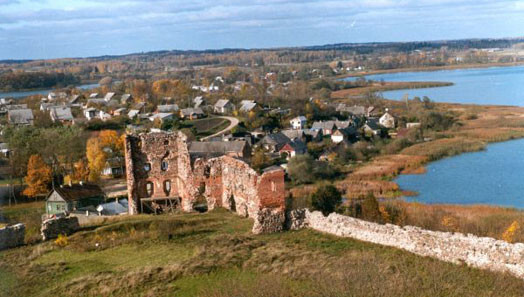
<point>62,240</point>
<point>300,169</point>
<point>326,199</point>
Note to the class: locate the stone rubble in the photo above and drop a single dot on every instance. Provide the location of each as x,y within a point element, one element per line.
<point>12,236</point>
<point>51,228</point>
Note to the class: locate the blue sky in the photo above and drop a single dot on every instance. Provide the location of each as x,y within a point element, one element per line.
<point>78,28</point>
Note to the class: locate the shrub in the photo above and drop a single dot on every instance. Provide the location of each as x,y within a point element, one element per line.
<point>62,240</point>
<point>326,199</point>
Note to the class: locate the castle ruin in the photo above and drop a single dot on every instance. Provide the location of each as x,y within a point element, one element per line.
<point>162,174</point>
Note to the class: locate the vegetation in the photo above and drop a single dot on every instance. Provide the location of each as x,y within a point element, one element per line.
<point>38,177</point>
<point>326,199</point>
<point>215,254</point>
<point>34,80</point>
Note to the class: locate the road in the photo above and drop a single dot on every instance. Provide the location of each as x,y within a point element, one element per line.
<point>233,122</point>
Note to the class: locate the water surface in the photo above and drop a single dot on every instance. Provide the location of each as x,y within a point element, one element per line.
<point>495,85</point>
<point>22,94</point>
<point>494,176</point>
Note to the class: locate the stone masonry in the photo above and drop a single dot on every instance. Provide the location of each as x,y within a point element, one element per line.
<point>159,166</point>
<point>480,252</point>
<point>12,236</point>
<point>51,228</point>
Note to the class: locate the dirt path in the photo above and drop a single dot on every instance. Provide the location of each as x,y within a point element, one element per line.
<point>233,122</point>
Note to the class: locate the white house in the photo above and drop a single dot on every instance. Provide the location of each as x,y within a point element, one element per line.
<point>91,113</point>
<point>387,120</point>
<point>224,106</point>
<point>298,123</point>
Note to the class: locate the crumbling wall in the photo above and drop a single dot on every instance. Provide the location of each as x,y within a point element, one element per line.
<point>12,236</point>
<point>51,228</point>
<point>223,181</point>
<point>480,252</point>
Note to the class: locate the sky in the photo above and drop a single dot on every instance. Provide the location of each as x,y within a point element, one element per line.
<point>37,29</point>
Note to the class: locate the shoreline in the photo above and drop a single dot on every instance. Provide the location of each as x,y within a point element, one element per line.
<point>429,69</point>
<point>48,88</point>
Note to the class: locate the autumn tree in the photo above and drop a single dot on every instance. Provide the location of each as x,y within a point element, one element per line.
<point>108,145</point>
<point>38,177</point>
<point>326,199</point>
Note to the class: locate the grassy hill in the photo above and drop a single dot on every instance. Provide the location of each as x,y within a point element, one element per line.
<point>214,254</point>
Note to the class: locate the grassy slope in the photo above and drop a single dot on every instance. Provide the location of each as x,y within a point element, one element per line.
<point>28,213</point>
<point>215,254</point>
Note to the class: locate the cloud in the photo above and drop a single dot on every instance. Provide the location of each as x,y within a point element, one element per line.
<point>31,25</point>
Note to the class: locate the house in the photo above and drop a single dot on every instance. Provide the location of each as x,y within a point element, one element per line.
<point>114,167</point>
<point>65,199</point>
<point>45,106</point>
<point>109,96</point>
<point>113,208</point>
<point>61,114</point>
<point>167,108</point>
<point>295,134</point>
<point>247,105</point>
<point>96,101</point>
<point>20,117</point>
<point>75,98</point>
<point>344,135</point>
<point>387,120</point>
<point>298,123</point>
<point>120,111</point>
<point>91,113</point>
<point>162,116</point>
<point>93,95</point>
<point>355,110</point>
<point>212,149</point>
<point>52,96</point>
<point>274,142</point>
<point>372,127</point>
<point>313,135</point>
<point>224,106</point>
<point>126,99</point>
<point>192,113</point>
<point>198,101</point>
<point>104,116</point>
<point>327,127</point>
<point>133,113</point>
<point>293,148</point>
<point>4,149</point>
<point>342,124</point>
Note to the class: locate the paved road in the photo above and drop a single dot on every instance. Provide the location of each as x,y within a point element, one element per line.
<point>233,122</point>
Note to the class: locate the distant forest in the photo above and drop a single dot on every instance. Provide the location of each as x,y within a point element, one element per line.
<point>35,80</point>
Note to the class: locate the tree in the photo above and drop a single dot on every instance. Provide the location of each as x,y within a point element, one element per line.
<point>96,159</point>
<point>260,160</point>
<point>326,199</point>
<point>370,209</point>
<point>300,169</point>
<point>38,177</point>
<point>510,234</point>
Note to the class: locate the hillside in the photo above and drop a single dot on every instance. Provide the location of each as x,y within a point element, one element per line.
<point>215,254</point>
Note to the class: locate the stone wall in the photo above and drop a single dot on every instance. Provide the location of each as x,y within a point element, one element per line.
<point>12,236</point>
<point>480,252</point>
<point>223,181</point>
<point>51,228</point>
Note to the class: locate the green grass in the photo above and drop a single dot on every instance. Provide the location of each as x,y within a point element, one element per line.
<point>215,254</point>
<point>28,213</point>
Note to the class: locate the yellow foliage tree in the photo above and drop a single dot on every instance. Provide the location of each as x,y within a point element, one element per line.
<point>38,177</point>
<point>450,223</point>
<point>81,172</point>
<point>96,158</point>
<point>511,233</point>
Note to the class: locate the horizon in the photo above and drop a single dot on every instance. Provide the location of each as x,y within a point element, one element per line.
<point>45,29</point>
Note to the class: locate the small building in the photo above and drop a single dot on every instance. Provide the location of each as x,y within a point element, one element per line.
<point>224,106</point>
<point>247,105</point>
<point>167,108</point>
<point>91,113</point>
<point>126,99</point>
<point>192,113</point>
<point>274,142</point>
<point>344,135</point>
<point>75,99</point>
<point>161,116</point>
<point>387,120</point>
<point>327,127</point>
<point>133,113</point>
<point>413,125</point>
<point>93,95</point>
<point>295,134</point>
<point>20,117</point>
<point>114,167</point>
<point>70,198</point>
<point>298,123</point>
<point>372,127</point>
<point>109,96</point>
<point>119,111</point>
<point>293,148</point>
<point>61,114</point>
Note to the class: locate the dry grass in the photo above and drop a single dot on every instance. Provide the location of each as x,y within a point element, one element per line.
<point>215,254</point>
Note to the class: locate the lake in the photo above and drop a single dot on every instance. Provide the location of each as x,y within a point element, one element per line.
<point>493,177</point>
<point>494,85</point>
<point>23,94</point>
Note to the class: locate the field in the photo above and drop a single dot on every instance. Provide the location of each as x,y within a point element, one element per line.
<point>206,127</point>
<point>215,254</point>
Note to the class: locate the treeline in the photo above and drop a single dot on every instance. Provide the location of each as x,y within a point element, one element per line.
<point>35,80</point>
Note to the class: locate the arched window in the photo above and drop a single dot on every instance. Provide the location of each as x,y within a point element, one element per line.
<point>167,186</point>
<point>147,167</point>
<point>149,189</point>
<point>164,165</point>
